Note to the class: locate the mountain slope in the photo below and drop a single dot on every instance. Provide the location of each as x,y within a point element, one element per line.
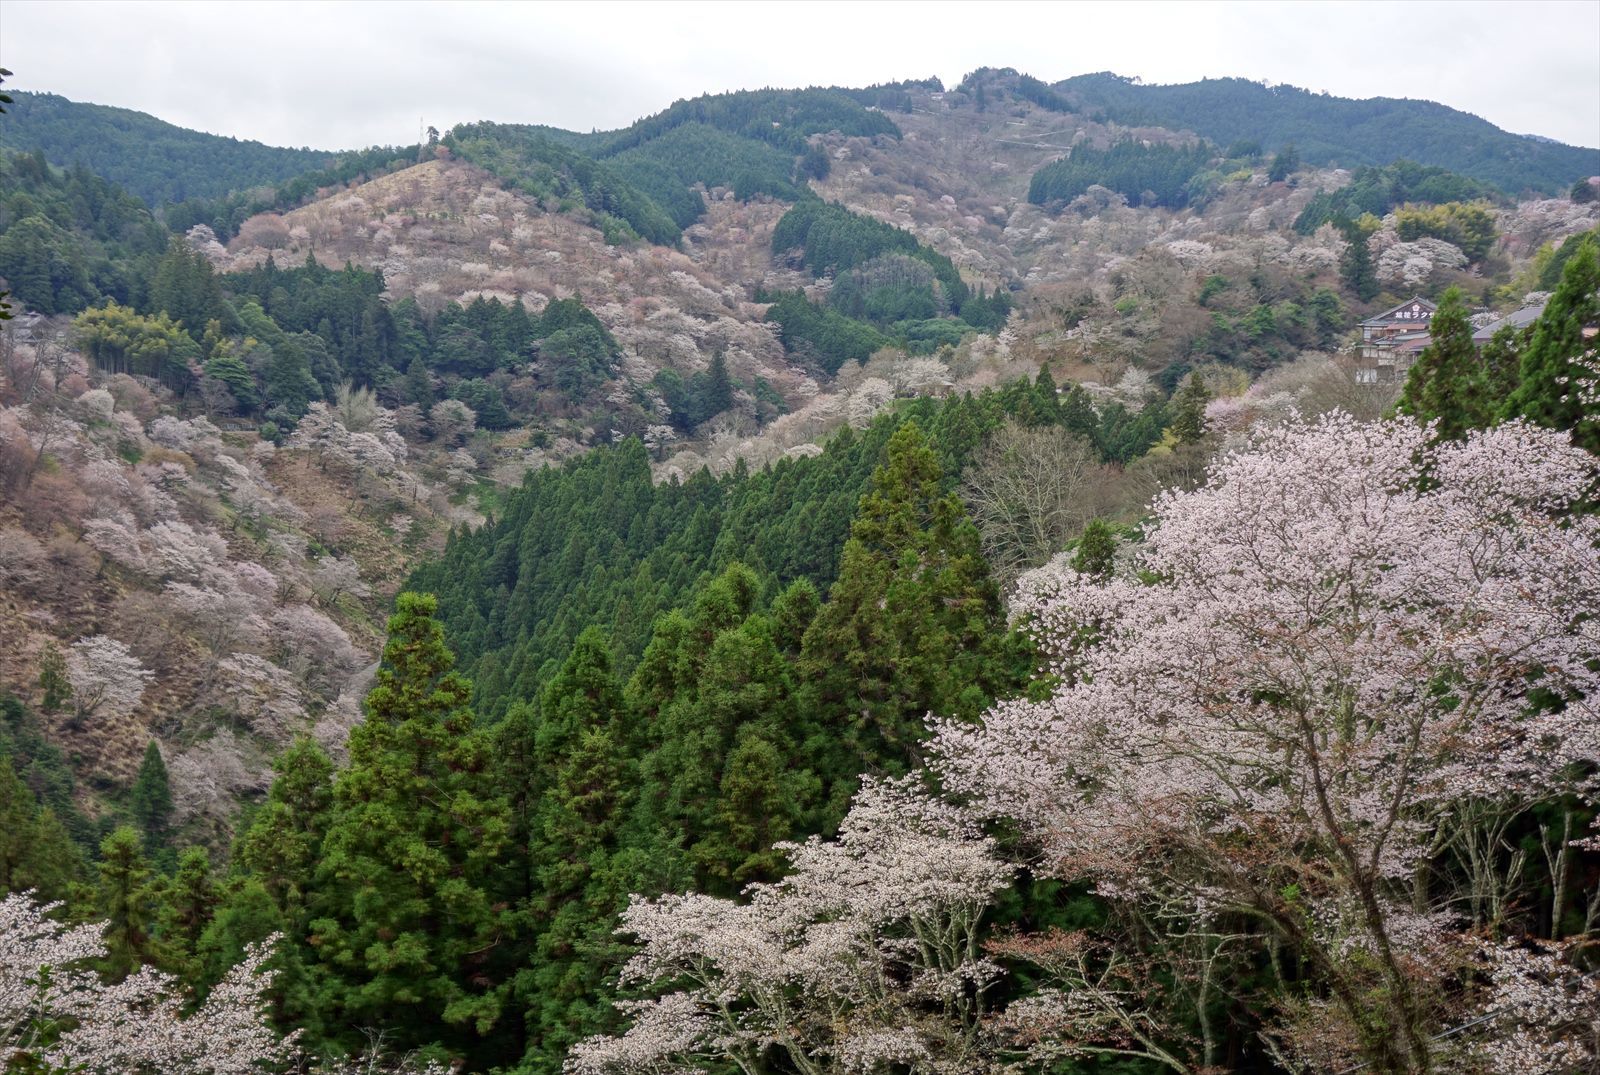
<point>157,161</point>
<point>1338,130</point>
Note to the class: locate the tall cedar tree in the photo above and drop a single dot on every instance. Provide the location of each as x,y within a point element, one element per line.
<point>150,802</point>
<point>129,903</point>
<point>912,624</point>
<point>723,777</point>
<point>274,878</point>
<point>1552,379</point>
<point>582,778</point>
<point>405,919</point>
<point>1447,383</point>
<point>1189,411</point>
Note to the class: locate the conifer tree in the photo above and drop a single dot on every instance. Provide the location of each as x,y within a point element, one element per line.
<point>1096,551</point>
<point>1552,379</point>
<point>129,904</point>
<point>284,841</point>
<point>1502,364</point>
<point>35,851</point>
<point>912,624</point>
<point>583,776</point>
<point>1446,384</point>
<point>190,901</point>
<point>1355,264</point>
<point>150,801</point>
<point>1189,411</point>
<point>404,914</point>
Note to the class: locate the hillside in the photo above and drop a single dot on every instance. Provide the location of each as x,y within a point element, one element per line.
<point>430,561</point>
<point>156,161</point>
<point>1337,131</point>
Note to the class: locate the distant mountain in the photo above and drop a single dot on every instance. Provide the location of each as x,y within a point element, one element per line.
<point>155,160</point>
<point>1338,130</point>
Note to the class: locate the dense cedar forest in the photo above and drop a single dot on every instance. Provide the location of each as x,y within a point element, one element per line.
<point>154,161</point>
<point>1336,130</point>
<point>1210,707</point>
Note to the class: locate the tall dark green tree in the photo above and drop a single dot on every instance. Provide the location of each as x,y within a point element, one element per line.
<point>129,902</point>
<point>150,801</point>
<point>1553,377</point>
<point>912,624</point>
<point>583,776</point>
<point>1189,411</point>
<point>1355,264</point>
<point>1446,383</point>
<point>405,919</point>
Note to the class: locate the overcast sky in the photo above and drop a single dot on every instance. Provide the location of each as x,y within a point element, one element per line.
<point>337,76</point>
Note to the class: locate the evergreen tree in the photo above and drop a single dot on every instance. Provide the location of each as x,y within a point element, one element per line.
<point>719,387</point>
<point>1552,376</point>
<point>129,904</point>
<point>150,801</point>
<point>1096,551</point>
<point>284,841</point>
<point>1355,264</point>
<point>1446,384</point>
<point>35,851</point>
<point>912,624</point>
<point>191,899</point>
<point>1502,363</point>
<point>405,918</point>
<point>1189,411</point>
<point>583,776</point>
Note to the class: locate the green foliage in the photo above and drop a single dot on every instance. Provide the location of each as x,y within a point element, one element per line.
<point>819,334</point>
<point>1284,163</point>
<point>704,395</point>
<point>667,166</point>
<point>35,851</point>
<point>1158,174</point>
<point>1096,550</point>
<point>156,161</point>
<point>128,900</point>
<point>1189,411</point>
<point>1376,191</point>
<point>1468,226</point>
<point>402,908</point>
<point>53,679</point>
<point>1336,130</point>
<point>832,239</point>
<point>1552,377</point>
<point>530,162</point>
<point>911,625</point>
<point>782,118</point>
<point>150,800</point>
<point>1446,383</point>
<point>1550,274</point>
<point>120,340</point>
<point>46,772</point>
<point>186,289</point>
<point>1355,263</point>
<point>224,215</point>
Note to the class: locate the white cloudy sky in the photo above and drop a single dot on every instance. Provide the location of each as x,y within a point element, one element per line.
<point>332,75</point>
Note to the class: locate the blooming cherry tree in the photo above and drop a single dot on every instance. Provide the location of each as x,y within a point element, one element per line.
<point>867,955</point>
<point>1344,658</point>
<point>107,681</point>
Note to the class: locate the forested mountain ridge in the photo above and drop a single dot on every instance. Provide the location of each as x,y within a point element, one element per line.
<point>157,161</point>
<point>1340,131</point>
